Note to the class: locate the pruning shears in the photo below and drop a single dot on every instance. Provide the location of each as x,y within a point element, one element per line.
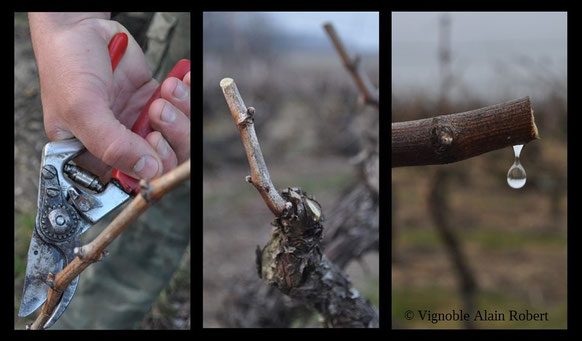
<point>71,200</point>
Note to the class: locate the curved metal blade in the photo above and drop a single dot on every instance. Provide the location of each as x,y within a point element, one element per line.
<point>63,304</point>
<point>70,291</point>
<point>42,259</point>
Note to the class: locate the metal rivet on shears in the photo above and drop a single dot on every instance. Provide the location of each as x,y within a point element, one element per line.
<point>49,172</point>
<point>52,192</point>
<point>59,219</point>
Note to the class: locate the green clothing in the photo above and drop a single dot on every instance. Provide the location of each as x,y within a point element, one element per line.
<point>119,291</point>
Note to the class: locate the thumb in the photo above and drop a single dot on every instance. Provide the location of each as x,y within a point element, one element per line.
<point>119,147</point>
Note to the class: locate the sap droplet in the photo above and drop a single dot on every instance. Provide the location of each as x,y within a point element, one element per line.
<point>516,177</point>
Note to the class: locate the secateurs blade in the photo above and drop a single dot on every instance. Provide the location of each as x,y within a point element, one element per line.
<point>71,200</point>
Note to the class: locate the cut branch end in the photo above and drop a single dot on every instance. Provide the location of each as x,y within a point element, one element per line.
<point>535,133</point>
<point>225,82</point>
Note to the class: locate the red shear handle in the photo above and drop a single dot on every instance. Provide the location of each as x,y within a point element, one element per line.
<point>142,125</point>
<point>117,47</point>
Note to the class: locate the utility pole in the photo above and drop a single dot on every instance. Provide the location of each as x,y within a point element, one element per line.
<point>444,56</point>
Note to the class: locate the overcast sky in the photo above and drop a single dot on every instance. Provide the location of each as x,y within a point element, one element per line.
<point>481,26</point>
<point>484,45</point>
<point>494,54</point>
<point>358,29</point>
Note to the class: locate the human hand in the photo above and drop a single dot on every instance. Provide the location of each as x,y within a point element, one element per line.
<point>82,98</point>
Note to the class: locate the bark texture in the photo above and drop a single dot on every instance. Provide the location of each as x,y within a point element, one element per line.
<point>293,262</point>
<point>352,231</point>
<point>451,138</point>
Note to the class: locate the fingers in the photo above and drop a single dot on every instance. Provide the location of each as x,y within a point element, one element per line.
<point>119,147</point>
<point>173,125</point>
<point>186,79</point>
<point>164,150</point>
<point>178,93</point>
<point>170,115</point>
<point>166,147</point>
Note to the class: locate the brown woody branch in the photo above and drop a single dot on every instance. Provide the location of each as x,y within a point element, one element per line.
<point>95,250</point>
<point>243,118</point>
<point>368,92</point>
<point>451,138</point>
<point>292,260</point>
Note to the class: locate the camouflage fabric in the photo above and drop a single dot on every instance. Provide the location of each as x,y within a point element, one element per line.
<point>168,41</point>
<point>118,292</point>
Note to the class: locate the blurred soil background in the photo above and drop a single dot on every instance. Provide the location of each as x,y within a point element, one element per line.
<point>514,241</point>
<point>172,310</point>
<point>307,118</point>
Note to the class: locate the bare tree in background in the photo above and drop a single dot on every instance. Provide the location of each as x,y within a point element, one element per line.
<point>438,196</point>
